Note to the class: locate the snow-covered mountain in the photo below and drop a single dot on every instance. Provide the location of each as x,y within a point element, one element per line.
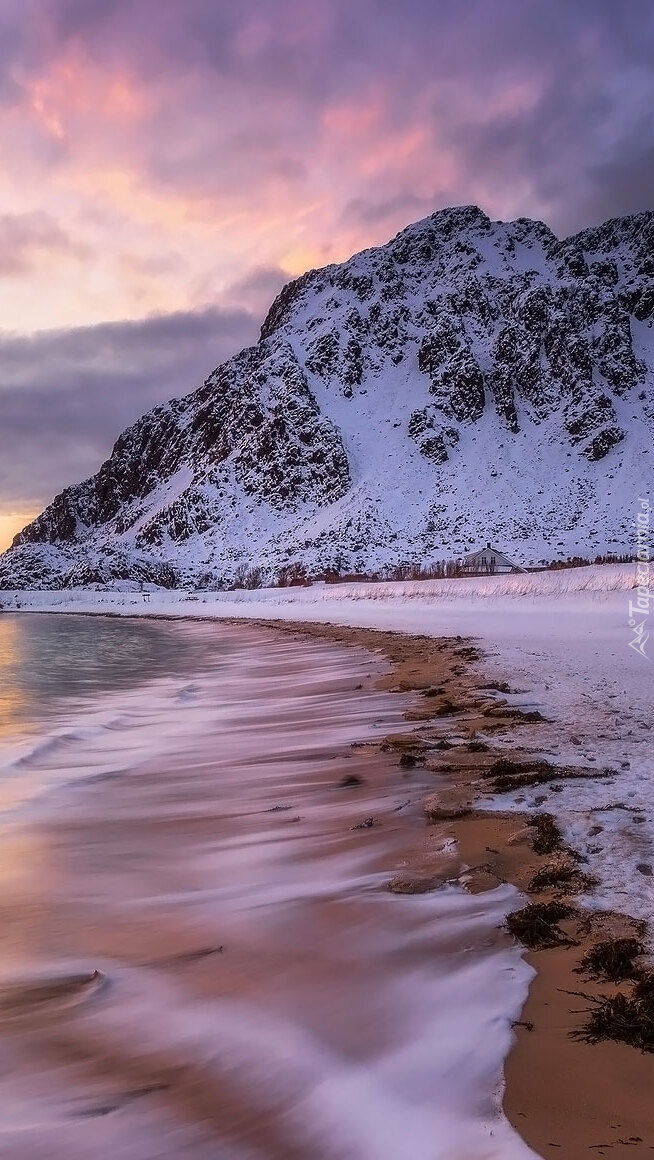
<point>469,381</point>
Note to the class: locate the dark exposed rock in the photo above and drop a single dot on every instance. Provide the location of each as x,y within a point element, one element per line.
<point>457,325</point>
<point>602,443</point>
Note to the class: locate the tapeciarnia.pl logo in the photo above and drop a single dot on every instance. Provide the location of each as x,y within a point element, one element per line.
<point>639,608</point>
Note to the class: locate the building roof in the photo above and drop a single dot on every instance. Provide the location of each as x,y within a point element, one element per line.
<point>487,554</point>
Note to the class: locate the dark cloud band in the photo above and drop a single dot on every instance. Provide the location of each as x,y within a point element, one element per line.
<point>66,395</point>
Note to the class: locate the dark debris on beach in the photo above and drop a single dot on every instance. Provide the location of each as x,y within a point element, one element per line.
<point>507,775</point>
<point>613,960</point>
<point>537,925</point>
<point>622,1018</point>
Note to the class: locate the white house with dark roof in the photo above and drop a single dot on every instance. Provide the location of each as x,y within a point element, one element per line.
<point>487,561</point>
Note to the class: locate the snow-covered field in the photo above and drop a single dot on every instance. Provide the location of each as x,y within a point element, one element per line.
<point>129,597</point>
<point>561,638</point>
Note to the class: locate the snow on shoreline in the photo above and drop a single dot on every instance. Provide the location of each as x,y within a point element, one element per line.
<point>561,638</point>
<point>562,641</point>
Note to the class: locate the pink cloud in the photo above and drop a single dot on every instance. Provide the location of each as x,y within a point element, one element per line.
<point>285,134</point>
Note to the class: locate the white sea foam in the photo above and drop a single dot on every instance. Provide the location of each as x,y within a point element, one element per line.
<point>339,1023</point>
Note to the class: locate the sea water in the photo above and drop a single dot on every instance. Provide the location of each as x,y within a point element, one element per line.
<point>199,955</point>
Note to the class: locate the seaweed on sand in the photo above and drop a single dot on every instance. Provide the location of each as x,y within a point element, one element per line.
<point>537,925</point>
<point>625,1018</point>
<point>553,877</point>
<point>561,877</point>
<point>508,775</point>
<point>613,960</point>
<point>548,835</point>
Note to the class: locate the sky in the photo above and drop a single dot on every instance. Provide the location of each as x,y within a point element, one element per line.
<point>169,164</point>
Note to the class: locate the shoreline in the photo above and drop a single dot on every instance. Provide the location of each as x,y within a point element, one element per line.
<point>263,984</point>
<point>565,1097</point>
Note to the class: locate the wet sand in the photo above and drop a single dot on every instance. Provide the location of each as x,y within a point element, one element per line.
<point>250,881</point>
<point>567,1098</point>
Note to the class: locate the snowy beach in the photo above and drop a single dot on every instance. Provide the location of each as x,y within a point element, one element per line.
<point>563,637</point>
<point>562,642</point>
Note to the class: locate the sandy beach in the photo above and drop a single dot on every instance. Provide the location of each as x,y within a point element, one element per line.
<point>396,740</point>
<point>566,1097</point>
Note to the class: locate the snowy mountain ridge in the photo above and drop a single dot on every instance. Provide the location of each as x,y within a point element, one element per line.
<point>469,381</point>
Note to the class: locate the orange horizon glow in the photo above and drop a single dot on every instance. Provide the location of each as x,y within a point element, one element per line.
<point>11,523</point>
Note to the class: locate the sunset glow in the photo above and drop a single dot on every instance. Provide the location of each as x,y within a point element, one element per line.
<point>178,159</point>
<point>11,523</point>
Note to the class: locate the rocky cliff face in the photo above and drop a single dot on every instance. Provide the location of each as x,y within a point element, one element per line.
<point>470,380</point>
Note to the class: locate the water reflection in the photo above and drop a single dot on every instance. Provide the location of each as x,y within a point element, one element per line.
<point>45,660</point>
<point>12,696</point>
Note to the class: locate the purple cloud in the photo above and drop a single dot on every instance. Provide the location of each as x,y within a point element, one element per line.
<point>190,152</point>
<point>25,236</point>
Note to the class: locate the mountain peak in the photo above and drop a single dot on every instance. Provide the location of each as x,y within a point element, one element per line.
<point>468,380</point>
<point>449,220</point>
